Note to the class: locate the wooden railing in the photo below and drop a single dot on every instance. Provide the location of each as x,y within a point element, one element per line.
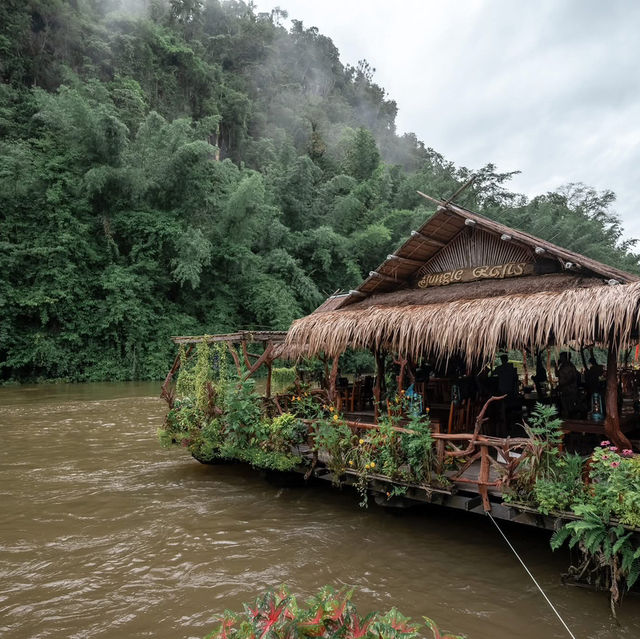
<point>503,454</point>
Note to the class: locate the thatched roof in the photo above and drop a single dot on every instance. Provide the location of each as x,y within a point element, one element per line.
<point>582,302</point>
<point>476,327</point>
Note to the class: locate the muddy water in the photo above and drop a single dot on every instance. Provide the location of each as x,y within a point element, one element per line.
<point>104,534</point>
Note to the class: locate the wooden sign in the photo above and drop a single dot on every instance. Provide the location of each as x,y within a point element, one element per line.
<point>456,276</point>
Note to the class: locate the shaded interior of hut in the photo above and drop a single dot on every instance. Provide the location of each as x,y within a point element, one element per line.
<point>453,392</point>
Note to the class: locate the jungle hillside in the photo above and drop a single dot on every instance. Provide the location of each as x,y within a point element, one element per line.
<point>189,167</point>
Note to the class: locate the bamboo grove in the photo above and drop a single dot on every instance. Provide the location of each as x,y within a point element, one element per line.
<point>187,167</point>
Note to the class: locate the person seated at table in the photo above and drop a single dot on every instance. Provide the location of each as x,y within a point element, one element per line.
<point>423,372</point>
<point>540,377</point>
<point>568,377</point>
<point>592,377</point>
<point>507,376</point>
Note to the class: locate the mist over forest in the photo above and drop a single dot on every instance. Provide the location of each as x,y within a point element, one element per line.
<point>191,167</point>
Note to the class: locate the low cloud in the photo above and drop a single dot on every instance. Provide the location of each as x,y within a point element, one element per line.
<point>548,88</point>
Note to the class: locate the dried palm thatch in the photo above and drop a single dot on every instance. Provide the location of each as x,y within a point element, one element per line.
<point>475,327</point>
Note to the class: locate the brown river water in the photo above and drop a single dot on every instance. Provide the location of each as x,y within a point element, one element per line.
<point>105,534</point>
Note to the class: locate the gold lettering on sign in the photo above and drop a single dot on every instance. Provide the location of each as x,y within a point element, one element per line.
<point>498,272</point>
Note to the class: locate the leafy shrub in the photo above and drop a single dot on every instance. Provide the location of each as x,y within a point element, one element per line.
<point>330,614</point>
<point>334,437</point>
<point>283,378</point>
<point>217,415</point>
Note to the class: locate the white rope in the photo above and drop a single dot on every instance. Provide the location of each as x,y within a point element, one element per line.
<point>532,577</point>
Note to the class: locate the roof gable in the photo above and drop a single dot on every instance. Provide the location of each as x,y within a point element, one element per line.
<point>456,239</point>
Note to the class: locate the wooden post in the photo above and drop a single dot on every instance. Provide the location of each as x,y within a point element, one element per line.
<point>411,369</point>
<point>377,391</point>
<point>236,359</point>
<point>483,478</point>
<point>612,419</point>
<point>525,368</point>
<point>325,380</point>
<point>267,390</point>
<point>402,362</point>
<point>332,378</point>
<point>245,353</point>
<point>165,393</point>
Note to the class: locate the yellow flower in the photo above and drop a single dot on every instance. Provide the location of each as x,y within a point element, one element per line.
<point>361,441</point>
<point>350,462</point>
<point>331,409</point>
<point>366,466</point>
<point>335,418</point>
<point>372,464</point>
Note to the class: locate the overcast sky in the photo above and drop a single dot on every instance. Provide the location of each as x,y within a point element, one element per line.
<point>547,87</point>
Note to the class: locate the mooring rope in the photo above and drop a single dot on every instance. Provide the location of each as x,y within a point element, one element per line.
<point>532,577</point>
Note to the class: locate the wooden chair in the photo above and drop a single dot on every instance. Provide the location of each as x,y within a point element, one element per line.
<point>459,417</point>
<point>344,398</point>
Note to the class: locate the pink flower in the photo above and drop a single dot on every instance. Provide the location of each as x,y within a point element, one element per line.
<point>606,442</point>
<point>627,452</point>
<point>605,457</point>
<point>613,448</point>
<point>615,464</point>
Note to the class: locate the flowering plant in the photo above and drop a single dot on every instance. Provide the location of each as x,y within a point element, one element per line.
<point>277,615</point>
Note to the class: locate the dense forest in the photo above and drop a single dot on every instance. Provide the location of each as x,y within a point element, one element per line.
<point>197,166</point>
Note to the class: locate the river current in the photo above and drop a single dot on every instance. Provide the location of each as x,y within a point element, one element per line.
<point>105,534</point>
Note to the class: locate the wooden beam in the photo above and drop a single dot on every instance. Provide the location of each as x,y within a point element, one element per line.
<point>432,199</point>
<point>405,260</point>
<point>427,240</point>
<point>462,188</point>
<point>383,277</point>
<point>245,353</point>
<point>239,336</point>
<point>265,357</point>
<point>236,359</point>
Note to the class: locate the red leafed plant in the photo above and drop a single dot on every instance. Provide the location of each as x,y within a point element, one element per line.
<point>328,615</point>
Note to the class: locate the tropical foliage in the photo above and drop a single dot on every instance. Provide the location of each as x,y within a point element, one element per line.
<point>217,415</point>
<point>598,498</point>
<point>191,166</point>
<point>329,614</point>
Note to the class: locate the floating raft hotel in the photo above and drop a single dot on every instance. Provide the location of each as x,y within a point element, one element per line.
<point>461,290</point>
